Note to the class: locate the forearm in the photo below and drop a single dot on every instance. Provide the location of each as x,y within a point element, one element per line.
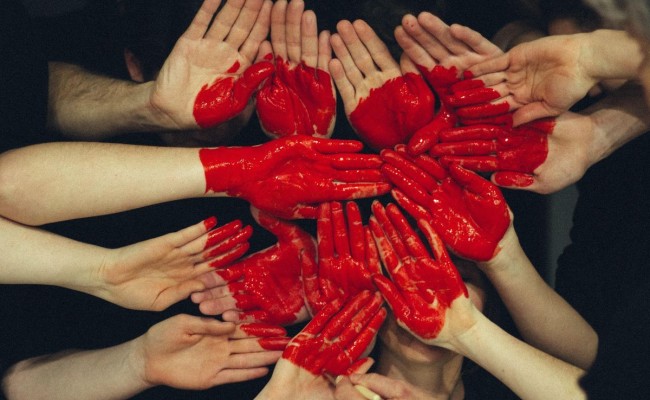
<point>611,54</point>
<point>86,106</point>
<point>59,181</point>
<point>538,311</point>
<point>106,374</point>
<point>618,118</point>
<point>33,256</point>
<point>528,372</point>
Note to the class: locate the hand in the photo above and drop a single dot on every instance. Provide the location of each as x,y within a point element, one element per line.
<point>468,211</point>
<point>154,274</point>
<point>290,176</point>
<point>332,344</point>
<point>384,106</point>
<point>441,53</point>
<point>543,156</point>
<point>265,286</point>
<point>188,352</point>
<point>299,98</point>
<point>421,288</point>
<point>348,388</point>
<point>208,77</point>
<point>347,257</point>
<point>538,79</point>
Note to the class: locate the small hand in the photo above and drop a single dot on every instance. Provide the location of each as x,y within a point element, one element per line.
<point>189,352</point>
<point>347,257</point>
<point>265,286</point>
<point>441,53</point>
<point>384,106</point>
<point>299,98</point>
<point>542,156</point>
<point>468,212</point>
<point>154,274</point>
<point>290,176</point>
<point>535,79</point>
<point>332,343</point>
<point>422,288</point>
<point>208,77</point>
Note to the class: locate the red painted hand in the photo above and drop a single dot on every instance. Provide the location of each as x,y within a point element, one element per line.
<point>347,257</point>
<point>208,77</point>
<point>336,337</point>
<point>289,176</point>
<point>468,212</point>
<point>265,286</point>
<point>422,288</point>
<point>513,153</point>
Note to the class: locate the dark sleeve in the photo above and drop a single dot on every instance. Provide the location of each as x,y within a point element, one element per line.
<point>23,68</point>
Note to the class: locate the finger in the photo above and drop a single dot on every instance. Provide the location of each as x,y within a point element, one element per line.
<point>474,163</point>
<point>476,184</point>
<point>359,55</point>
<point>239,375</point>
<point>208,326</point>
<point>345,88</point>
<point>244,24</point>
<point>448,44</point>
<point>224,20</point>
<point>475,41</point>
<point>472,133</point>
<point>377,50</point>
<point>223,259</point>
<point>412,208</point>
<point>174,294</point>
<point>345,390</point>
<point>187,236</point>
<point>533,111</point>
<point>387,388</point>
<point>411,47</point>
<point>480,95</point>
<point>293,30</point>
<point>248,354</point>
<point>265,52</point>
<point>515,180</point>
<point>391,241</point>
<point>497,64</point>
<point>407,169</point>
<point>427,41</point>
<point>340,230</point>
<point>309,39</point>
<point>278,29</point>
<point>324,50</point>
<point>220,241</point>
<point>258,330</point>
<point>407,66</point>
<point>325,232</point>
<point>350,69</point>
<point>253,43</point>
<point>413,243</point>
<point>199,25</point>
<point>483,110</point>
<point>217,306</point>
<point>473,148</point>
<point>356,232</point>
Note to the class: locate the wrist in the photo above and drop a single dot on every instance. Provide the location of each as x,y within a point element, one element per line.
<point>610,54</point>
<point>136,363</point>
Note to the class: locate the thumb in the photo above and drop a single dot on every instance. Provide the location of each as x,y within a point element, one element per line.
<point>250,80</point>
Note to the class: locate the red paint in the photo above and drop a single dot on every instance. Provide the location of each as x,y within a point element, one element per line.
<point>336,337</point>
<point>210,223</point>
<point>274,344</point>
<point>467,211</point>
<point>234,68</point>
<point>422,287</point>
<point>290,176</point>
<point>440,78</point>
<point>346,257</point>
<point>262,330</point>
<point>266,285</point>
<point>513,152</point>
<point>226,243</point>
<point>227,96</point>
<point>297,100</point>
<point>393,112</point>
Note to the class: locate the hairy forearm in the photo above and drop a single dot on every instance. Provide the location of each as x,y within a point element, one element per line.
<point>618,118</point>
<point>528,372</point>
<point>60,181</point>
<point>87,106</point>
<point>106,374</point>
<point>538,311</point>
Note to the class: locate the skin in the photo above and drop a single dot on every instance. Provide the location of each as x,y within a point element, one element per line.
<point>150,275</point>
<point>347,257</point>
<point>332,343</point>
<point>167,354</point>
<point>265,286</point>
<point>299,98</point>
<point>384,104</point>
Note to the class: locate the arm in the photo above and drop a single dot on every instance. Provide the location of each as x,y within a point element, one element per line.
<point>58,181</point>
<point>184,352</point>
<point>207,79</point>
<point>149,275</point>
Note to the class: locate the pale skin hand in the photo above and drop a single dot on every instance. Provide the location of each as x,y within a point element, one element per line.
<point>205,53</point>
<point>190,352</point>
<point>184,351</point>
<point>362,62</point>
<point>428,42</point>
